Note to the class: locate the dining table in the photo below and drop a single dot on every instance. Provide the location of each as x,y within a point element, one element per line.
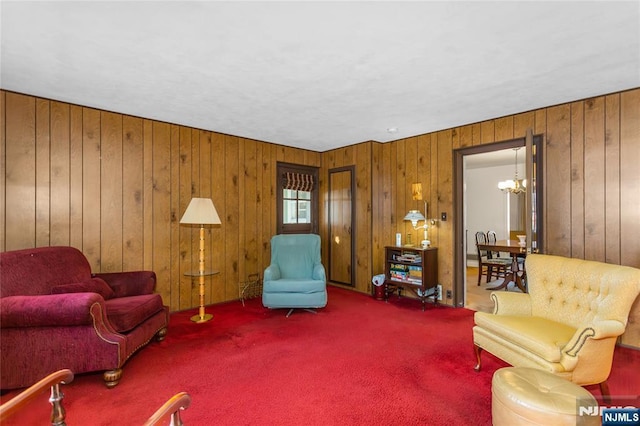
<point>517,274</point>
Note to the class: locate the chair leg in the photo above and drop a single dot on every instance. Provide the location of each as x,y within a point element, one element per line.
<point>604,390</point>
<point>304,309</point>
<point>477,349</point>
<point>479,273</point>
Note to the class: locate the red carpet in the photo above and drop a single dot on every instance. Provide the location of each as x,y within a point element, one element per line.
<point>358,361</point>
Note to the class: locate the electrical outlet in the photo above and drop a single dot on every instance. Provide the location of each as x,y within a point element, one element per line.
<point>449,295</point>
<point>439,291</point>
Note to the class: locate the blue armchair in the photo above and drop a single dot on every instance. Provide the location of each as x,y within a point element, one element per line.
<point>296,277</point>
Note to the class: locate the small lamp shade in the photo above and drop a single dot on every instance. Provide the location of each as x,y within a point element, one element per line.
<point>414,216</point>
<point>201,211</point>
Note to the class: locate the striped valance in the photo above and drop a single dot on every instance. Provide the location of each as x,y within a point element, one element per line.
<point>298,181</point>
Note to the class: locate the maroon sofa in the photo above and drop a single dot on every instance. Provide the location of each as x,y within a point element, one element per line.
<point>55,314</point>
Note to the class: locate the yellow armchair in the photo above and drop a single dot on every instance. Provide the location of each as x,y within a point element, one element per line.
<point>567,324</point>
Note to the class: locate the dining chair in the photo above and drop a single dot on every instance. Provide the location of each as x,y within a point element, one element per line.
<point>491,239</point>
<point>488,265</point>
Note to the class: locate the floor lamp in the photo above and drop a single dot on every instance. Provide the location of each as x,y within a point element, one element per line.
<point>201,211</point>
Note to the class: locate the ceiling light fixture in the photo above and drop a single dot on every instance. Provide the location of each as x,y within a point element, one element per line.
<point>515,186</point>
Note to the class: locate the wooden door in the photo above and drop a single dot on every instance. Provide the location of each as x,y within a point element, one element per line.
<point>341,225</point>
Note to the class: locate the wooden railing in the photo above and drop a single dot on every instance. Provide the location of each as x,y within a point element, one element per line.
<point>53,381</point>
<point>171,409</point>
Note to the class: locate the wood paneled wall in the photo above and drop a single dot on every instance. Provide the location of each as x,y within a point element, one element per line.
<point>116,186</point>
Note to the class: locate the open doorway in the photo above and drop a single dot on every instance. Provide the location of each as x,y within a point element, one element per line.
<point>481,206</point>
<point>486,208</point>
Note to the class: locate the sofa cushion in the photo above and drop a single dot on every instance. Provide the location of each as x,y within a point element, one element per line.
<point>126,313</point>
<point>94,285</point>
<point>540,336</point>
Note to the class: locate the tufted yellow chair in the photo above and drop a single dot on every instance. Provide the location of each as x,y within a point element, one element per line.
<point>567,324</point>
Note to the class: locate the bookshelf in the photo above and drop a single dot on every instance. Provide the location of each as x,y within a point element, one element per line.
<point>414,269</point>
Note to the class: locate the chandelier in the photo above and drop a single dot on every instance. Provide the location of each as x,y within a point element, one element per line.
<point>515,185</point>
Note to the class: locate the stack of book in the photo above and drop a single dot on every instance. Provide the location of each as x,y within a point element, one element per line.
<point>409,257</point>
<point>398,272</point>
<point>402,272</point>
<point>415,274</point>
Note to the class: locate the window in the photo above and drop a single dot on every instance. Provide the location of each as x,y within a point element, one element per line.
<point>297,199</point>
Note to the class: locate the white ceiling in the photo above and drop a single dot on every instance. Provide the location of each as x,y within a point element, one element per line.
<point>320,75</point>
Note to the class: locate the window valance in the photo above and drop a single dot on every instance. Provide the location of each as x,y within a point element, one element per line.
<point>298,181</point>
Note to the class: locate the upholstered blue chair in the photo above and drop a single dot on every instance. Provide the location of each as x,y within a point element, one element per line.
<point>296,277</point>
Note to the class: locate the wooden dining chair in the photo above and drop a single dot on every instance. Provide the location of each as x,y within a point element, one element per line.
<point>488,265</point>
<point>491,239</point>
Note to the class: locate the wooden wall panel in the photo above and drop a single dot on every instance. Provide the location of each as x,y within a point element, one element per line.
<point>189,235</point>
<point>444,191</point>
<point>111,207</point>
<point>60,170</point>
<point>232,220</point>
<point>174,213</point>
<point>558,171</point>
<point>576,204</point>
<point>612,179</point>
<point>76,177</point>
<point>43,196</point>
<point>377,209</point>
<point>594,182</point>
<point>218,232</point>
<point>161,220</point>
<point>20,171</point>
<point>363,214</point>
<point>132,185</point>
<point>91,146</point>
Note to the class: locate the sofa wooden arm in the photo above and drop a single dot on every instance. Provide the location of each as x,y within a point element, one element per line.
<point>171,409</point>
<point>510,303</point>
<point>52,381</point>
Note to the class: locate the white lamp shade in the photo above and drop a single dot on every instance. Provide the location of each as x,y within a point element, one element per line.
<point>414,215</point>
<point>201,211</point>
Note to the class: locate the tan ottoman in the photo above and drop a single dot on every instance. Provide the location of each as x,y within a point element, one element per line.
<point>526,396</point>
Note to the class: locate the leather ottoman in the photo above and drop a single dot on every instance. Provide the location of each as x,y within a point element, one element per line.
<point>527,396</point>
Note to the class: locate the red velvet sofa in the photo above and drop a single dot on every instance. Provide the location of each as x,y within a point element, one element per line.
<point>55,314</point>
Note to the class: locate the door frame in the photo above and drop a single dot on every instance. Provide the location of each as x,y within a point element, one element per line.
<point>352,170</point>
<point>458,203</point>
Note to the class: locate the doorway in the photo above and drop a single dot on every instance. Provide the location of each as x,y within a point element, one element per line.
<point>509,208</point>
<point>341,225</point>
